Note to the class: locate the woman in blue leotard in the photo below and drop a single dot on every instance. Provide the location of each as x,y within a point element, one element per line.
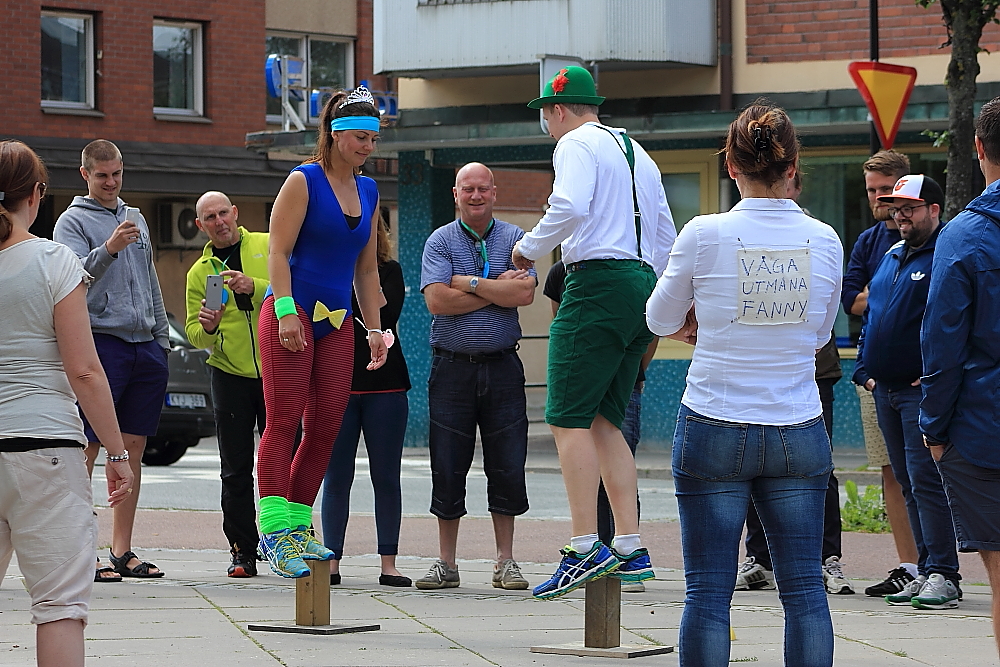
<point>323,240</point>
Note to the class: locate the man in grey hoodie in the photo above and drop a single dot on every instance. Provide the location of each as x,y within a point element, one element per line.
<point>129,324</point>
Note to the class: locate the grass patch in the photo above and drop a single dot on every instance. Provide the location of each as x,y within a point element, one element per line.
<point>864,513</point>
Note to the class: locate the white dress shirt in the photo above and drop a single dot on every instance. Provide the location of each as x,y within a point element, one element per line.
<point>765,281</point>
<point>591,211</point>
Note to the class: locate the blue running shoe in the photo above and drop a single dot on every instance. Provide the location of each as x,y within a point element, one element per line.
<point>634,567</point>
<point>576,569</point>
<point>309,547</point>
<point>282,554</point>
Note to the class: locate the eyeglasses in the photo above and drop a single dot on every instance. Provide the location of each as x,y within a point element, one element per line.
<point>42,189</point>
<point>907,210</point>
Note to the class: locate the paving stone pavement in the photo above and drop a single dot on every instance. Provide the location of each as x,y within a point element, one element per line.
<point>196,616</point>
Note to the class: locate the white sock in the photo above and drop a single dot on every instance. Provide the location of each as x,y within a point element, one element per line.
<point>583,543</point>
<point>626,544</point>
<point>911,568</point>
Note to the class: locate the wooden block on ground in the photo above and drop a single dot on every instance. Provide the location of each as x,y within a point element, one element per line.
<point>626,651</point>
<point>312,629</point>
<point>312,595</point>
<point>602,616</point>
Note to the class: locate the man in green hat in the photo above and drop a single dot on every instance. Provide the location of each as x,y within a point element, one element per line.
<point>609,212</point>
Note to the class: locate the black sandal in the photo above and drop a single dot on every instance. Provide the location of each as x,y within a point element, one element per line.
<point>140,571</point>
<point>103,570</point>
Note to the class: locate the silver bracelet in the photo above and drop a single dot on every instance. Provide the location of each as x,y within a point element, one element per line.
<point>118,459</point>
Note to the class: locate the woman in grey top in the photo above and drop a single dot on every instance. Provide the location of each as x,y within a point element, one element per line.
<point>49,363</point>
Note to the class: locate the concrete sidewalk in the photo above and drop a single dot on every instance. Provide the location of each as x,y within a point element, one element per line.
<point>197,616</point>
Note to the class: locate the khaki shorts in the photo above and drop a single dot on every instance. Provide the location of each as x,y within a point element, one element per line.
<point>47,519</point>
<point>878,456</point>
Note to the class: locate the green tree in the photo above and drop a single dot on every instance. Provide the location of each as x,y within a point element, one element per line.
<point>964,21</point>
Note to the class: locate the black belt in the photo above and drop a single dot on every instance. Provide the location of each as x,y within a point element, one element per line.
<point>474,358</point>
<point>606,263</point>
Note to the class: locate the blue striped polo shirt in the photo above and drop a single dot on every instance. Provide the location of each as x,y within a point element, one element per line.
<point>450,251</point>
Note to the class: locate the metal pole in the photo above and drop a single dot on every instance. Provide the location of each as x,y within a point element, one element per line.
<point>875,144</point>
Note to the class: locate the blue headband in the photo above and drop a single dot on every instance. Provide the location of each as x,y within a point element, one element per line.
<point>370,123</point>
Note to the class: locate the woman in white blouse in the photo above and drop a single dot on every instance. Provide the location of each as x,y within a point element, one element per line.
<point>764,281</point>
<point>49,363</point>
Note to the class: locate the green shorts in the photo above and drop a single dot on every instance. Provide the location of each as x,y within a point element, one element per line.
<point>597,340</point>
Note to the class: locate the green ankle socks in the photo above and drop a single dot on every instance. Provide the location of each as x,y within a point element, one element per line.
<point>299,515</point>
<point>274,514</point>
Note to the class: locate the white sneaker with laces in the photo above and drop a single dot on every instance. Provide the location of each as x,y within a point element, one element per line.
<point>753,577</point>
<point>834,579</point>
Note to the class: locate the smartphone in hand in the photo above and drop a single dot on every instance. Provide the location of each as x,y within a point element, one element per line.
<point>213,292</point>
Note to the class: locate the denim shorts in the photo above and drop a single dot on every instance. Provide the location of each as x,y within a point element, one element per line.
<point>972,496</point>
<point>466,395</point>
<point>137,373</point>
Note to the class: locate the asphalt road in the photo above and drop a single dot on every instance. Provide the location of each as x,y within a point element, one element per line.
<point>193,483</point>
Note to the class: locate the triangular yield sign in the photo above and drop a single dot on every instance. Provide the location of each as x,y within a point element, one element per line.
<point>886,90</point>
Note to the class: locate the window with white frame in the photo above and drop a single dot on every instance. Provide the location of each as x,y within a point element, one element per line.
<point>328,63</point>
<point>67,60</point>
<point>178,68</point>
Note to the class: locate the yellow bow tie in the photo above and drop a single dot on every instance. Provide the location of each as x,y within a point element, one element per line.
<point>336,317</point>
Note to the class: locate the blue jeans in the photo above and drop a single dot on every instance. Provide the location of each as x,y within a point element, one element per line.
<point>718,467</point>
<point>382,417</point>
<point>898,411</point>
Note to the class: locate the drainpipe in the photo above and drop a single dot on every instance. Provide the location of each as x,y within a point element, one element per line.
<point>725,55</point>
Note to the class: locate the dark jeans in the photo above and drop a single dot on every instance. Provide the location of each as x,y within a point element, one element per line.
<point>631,429</point>
<point>239,407</point>
<point>463,394</point>
<point>718,467</point>
<point>898,412</point>
<point>382,417</point>
<point>756,543</point>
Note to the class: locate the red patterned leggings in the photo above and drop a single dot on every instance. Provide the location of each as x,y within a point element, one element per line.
<point>311,387</point>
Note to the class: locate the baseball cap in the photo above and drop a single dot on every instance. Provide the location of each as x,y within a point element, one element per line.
<point>916,187</point>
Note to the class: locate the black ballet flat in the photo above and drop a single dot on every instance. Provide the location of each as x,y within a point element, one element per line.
<point>395,580</point>
<point>335,578</point>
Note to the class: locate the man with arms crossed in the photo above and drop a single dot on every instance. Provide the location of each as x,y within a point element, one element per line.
<point>128,321</point>
<point>609,212</point>
<point>240,257</point>
<point>882,170</point>
<point>961,349</point>
<point>473,292</point>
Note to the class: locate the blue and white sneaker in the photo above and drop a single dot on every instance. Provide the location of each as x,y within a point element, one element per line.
<point>576,569</point>
<point>634,567</point>
<point>309,547</point>
<point>282,554</point>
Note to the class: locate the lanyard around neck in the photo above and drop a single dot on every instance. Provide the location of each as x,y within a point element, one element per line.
<point>481,244</point>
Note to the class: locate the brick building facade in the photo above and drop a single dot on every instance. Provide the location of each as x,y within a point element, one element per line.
<point>804,30</point>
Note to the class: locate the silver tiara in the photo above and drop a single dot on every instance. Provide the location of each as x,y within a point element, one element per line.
<point>360,94</point>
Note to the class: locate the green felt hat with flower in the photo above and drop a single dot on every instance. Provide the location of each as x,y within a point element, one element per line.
<point>571,85</point>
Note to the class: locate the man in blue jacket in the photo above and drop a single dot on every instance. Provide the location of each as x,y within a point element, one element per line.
<point>961,350</point>
<point>889,365</point>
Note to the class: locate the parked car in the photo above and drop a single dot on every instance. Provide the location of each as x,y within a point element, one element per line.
<point>187,414</point>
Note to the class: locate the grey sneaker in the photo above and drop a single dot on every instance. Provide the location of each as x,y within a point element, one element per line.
<point>937,593</point>
<point>753,577</point>
<point>909,592</point>
<point>834,579</point>
<point>507,575</point>
<point>633,587</point>
<point>439,576</point>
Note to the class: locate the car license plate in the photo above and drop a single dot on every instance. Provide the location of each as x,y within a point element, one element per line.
<point>186,400</point>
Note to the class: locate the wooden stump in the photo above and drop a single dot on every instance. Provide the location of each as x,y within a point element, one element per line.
<point>312,607</point>
<point>602,615</point>
<point>312,595</point>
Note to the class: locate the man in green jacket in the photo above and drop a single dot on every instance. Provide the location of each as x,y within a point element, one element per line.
<point>240,257</point>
